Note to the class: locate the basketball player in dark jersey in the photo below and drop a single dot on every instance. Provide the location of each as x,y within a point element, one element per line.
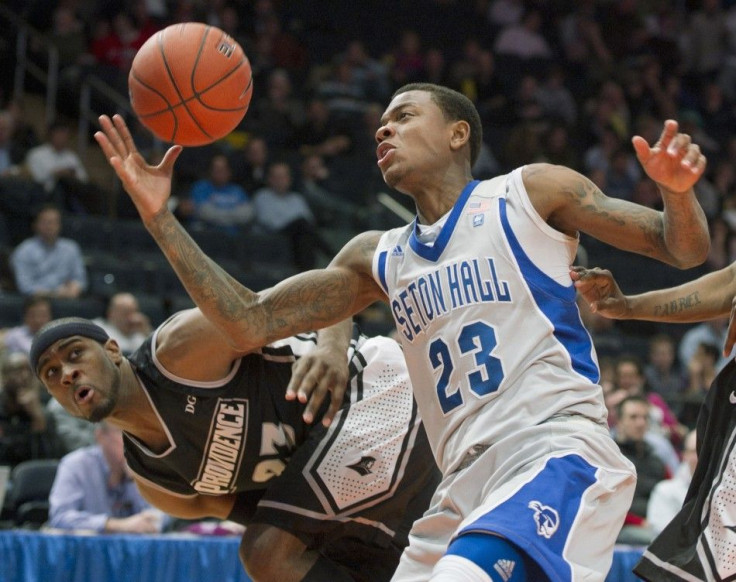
<point>328,488</point>
<point>700,541</point>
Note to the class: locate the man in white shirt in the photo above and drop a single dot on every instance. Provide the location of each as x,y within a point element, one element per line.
<point>667,496</point>
<point>54,159</point>
<point>124,322</point>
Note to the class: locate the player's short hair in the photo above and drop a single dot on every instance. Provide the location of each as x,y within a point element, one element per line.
<point>455,107</point>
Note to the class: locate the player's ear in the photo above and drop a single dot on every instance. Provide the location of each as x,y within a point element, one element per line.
<point>460,134</point>
<point>113,351</point>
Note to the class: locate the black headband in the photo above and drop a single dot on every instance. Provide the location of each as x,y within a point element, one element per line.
<point>61,328</point>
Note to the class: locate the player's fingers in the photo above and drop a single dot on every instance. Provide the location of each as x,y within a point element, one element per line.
<point>105,145</point>
<point>669,131</point>
<point>641,147</point>
<point>126,139</point>
<point>693,158</point>
<point>679,145</point>
<point>316,397</point>
<point>167,164</point>
<point>113,135</point>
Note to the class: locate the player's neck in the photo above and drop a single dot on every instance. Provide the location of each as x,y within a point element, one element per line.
<point>135,415</point>
<point>433,203</point>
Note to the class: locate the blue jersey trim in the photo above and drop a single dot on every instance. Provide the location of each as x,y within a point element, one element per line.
<point>382,256</point>
<point>557,302</point>
<point>432,253</point>
<point>539,516</point>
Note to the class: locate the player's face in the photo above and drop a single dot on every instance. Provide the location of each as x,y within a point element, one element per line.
<point>83,376</point>
<point>413,140</point>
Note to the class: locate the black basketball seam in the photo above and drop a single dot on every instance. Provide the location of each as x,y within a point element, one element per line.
<point>159,40</point>
<point>168,107</point>
<point>196,96</point>
<point>182,101</point>
<point>220,80</point>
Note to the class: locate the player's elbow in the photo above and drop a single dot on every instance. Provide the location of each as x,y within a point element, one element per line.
<point>693,256</point>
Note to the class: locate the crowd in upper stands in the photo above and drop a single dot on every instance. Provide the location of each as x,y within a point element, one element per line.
<point>561,81</point>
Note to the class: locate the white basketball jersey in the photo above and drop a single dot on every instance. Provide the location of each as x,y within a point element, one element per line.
<point>487,317</point>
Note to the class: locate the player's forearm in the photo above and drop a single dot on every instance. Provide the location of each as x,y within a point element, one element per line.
<point>707,297</point>
<point>337,336</point>
<point>308,301</point>
<point>685,228</point>
<point>229,305</point>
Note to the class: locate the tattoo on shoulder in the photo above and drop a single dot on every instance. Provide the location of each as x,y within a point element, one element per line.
<point>678,305</point>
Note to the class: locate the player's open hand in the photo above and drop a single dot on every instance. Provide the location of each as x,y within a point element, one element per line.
<point>600,290</point>
<point>674,162</point>
<point>322,371</point>
<point>148,186</point>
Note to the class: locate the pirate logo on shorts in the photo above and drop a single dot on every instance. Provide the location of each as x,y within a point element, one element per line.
<point>546,518</point>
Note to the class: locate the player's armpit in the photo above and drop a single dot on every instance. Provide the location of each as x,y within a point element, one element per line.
<point>198,507</point>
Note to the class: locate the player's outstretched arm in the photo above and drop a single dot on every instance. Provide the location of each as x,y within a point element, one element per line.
<point>708,297</point>
<point>311,300</point>
<point>678,235</point>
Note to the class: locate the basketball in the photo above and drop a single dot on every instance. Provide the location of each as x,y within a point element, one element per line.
<point>190,84</point>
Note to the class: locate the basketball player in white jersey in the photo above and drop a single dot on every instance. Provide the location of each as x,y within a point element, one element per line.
<point>505,375</point>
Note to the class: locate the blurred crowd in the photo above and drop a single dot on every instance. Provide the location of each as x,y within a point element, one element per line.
<point>561,81</point>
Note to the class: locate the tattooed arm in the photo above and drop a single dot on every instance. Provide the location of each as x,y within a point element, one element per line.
<point>708,297</point>
<point>308,301</point>
<point>678,235</point>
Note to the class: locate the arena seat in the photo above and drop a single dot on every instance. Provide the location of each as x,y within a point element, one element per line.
<point>28,498</point>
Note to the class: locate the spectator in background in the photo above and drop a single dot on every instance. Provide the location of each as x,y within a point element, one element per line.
<point>217,201</point>
<point>57,167</point>
<point>524,40</point>
<point>279,209</point>
<point>26,430</point>
<point>47,264</point>
<point>24,135</point>
<point>630,381</point>
<point>124,322</point>
<point>706,40</point>
<point>55,159</point>
<point>321,134</point>
<point>622,175</point>
<point>370,74</point>
<point>329,208</point>
<point>709,332</point>
<point>114,45</point>
<point>277,114</point>
<point>631,427</point>
<point>93,490</point>
<point>340,90</point>
<point>662,372</point>
<point>407,59</point>
<point>36,314</point>
<point>10,155</point>
<point>667,496</point>
<point>73,432</point>
<point>250,166</point>
<point>702,372</point>
<point>556,99</point>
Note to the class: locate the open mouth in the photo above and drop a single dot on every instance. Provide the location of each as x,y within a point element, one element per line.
<point>83,394</point>
<point>384,152</point>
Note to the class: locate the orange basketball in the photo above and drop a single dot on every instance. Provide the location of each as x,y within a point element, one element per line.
<point>190,84</point>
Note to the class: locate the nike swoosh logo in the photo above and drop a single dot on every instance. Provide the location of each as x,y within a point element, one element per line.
<point>732,397</point>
